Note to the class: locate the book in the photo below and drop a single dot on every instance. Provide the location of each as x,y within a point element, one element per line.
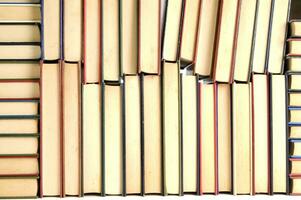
<point>110,65</point>
<point>260,134</point>
<point>25,126</point>
<point>18,12</point>
<point>20,33</point>
<point>51,148</point>
<point>20,1</point>
<point>244,49</point>
<point>295,28</point>
<point>52,29</point>
<point>295,166</point>
<point>133,137</point>
<point>206,37</point>
<point>19,89</point>
<point>293,63</point>
<point>18,187</point>
<point>294,47</point>
<point>296,186</point>
<point>172,30</point>
<point>278,133</point>
<point>112,132</point>
<point>149,42</point>
<point>92,41</point>
<point>15,108</point>
<point>15,146</point>
<point>72,30</point>
<point>226,40</point>
<point>171,128</point>
<point>224,139</point>
<point>91,138</point>
<point>72,149</point>
<point>189,133</point>
<point>242,134</point>
<point>189,30</point>
<point>261,36</point>
<point>278,33</point>
<point>295,148</point>
<point>17,165</point>
<point>19,70</point>
<point>129,36</point>
<point>208,139</point>
<point>151,103</point>
<point>20,52</point>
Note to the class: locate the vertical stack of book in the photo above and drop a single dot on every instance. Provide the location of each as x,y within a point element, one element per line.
<point>20,53</point>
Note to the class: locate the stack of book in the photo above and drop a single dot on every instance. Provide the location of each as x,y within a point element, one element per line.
<point>149,97</point>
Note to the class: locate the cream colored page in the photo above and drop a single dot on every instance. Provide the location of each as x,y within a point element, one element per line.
<point>130,36</point>
<point>92,41</point>
<point>51,29</point>
<point>22,126</point>
<point>171,127</point>
<point>295,82</point>
<point>296,167</point>
<point>190,26</point>
<point>24,70</point>
<point>172,30</point>
<point>132,129</point>
<point>20,33</point>
<point>295,28</point>
<point>91,138</point>
<point>244,40</point>
<point>262,28</point>
<point>50,109</point>
<point>20,1</point>
<point>224,138</point>
<point>19,166</point>
<point>149,36</point>
<point>189,133</point>
<point>18,187</point>
<point>207,139</point>
<point>19,108</point>
<point>226,39</point>
<point>72,30</point>
<point>294,64</point>
<point>71,92</point>
<point>294,47</point>
<point>241,139</point>
<point>110,40</point>
<point>296,148</point>
<point>113,140</point>
<point>17,13</point>
<point>20,52</point>
<point>152,135</point>
<point>19,90</point>
<point>206,36</point>
<point>295,99</point>
<point>19,145</point>
<point>279,133</point>
<point>278,36</point>
<point>260,133</point>
<point>295,116</point>
<point>296,186</point>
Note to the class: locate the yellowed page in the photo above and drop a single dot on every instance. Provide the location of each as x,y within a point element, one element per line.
<point>92,41</point>
<point>19,145</point>
<point>206,36</point>
<point>19,90</point>
<point>241,139</point>
<point>71,92</point>
<point>20,33</point>
<point>294,47</point>
<point>224,138</point>
<point>278,36</point>
<point>73,30</point>
<point>20,13</point>
<point>294,64</point>
<point>207,138</point>
<point>19,108</point>
<point>130,36</point>
<point>171,128</point>
<point>149,36</point>
<point>91,138</point>
<point>295,148</point>
<point>295,28</point>
<point>226,39</point>
<point>19,166</point>
<point>190,26</point>
<point>113,140</point>
<point>295,99</point>
<point>172,30</point>
<point>50,109</point>
<point>296,186</point>
<point>18,187</point>
<point>51,29</point>
<point>20,52</point>
<point>152,134</point>
<point>262,28</point>
<point>132,129</point>
<point>189,92</point>
<point>296,167</point>
<point>24,70</point>
<point>21,126</point>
